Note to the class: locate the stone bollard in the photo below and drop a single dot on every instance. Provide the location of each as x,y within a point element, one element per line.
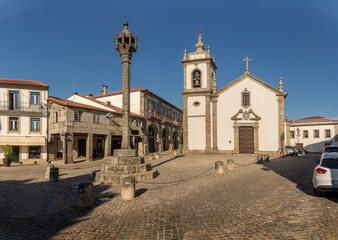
<point>86,195</point>
<point>150,156</point>
<point>266,158</point>
<point>54,174</point>
<point>47,173</point>
<point>259,159</point>
<point>157,155</point>
<point>219,167</point>
<point>128,188</point>
<point>231,164</point>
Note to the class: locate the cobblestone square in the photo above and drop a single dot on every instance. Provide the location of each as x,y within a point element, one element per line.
<point>186,201</point>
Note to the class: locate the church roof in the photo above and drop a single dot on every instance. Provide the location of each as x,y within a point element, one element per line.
<point>257,80</point>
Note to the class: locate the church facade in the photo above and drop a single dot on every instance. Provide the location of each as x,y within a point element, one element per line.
<point>245,116</point>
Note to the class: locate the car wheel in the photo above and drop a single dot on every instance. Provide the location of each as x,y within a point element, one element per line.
<point>316,192</point>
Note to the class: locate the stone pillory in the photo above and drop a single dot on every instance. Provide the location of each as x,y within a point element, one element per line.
<point>125,162</point>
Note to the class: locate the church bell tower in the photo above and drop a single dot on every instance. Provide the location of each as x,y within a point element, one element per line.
<point>199,86</point>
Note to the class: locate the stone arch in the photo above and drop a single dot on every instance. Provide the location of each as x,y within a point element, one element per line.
<point>196,78</point>
<point>176,142</point>
<point>152,138</point>
<point>165,138</point>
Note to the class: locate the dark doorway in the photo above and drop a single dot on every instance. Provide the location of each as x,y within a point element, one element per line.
<point>82,147</point>
<point>151,140</point>
<point>246,140</point>
<point>15,154</point>
<point>115,143</point>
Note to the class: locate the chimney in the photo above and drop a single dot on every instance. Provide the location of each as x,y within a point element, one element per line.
<point>105,90</point>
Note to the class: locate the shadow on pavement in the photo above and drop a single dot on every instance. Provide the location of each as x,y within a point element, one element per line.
<point>298,170</point>
<point>36,209</point>
<point>169,160</point>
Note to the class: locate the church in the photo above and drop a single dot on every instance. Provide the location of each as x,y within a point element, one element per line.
<point>246,116</point>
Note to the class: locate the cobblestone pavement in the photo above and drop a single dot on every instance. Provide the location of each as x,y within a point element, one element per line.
<point>186,201</point>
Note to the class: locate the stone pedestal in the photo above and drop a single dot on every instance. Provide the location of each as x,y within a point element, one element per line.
<point>124,163</point>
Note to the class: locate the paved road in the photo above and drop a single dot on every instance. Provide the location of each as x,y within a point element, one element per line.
<point>186,201</point>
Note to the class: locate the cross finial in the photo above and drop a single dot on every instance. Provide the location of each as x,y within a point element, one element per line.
<point>280,84</point>
<point>247,60</point>
<point>200,30</point>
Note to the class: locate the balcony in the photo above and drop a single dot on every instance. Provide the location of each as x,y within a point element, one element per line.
<point>23,107</point>
<point>163,118</point>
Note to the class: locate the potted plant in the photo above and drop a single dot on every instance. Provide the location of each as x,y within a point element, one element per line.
<point>8,150</point>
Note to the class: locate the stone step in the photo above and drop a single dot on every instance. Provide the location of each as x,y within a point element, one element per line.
<point>137,168</point>
<point>115,178</point>
<point>124,160</point>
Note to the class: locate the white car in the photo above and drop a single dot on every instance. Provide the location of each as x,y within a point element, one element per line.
<point>325,175</point>
<point>329,149</point>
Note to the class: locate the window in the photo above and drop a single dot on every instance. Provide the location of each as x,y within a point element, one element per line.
<point>246,98</point>
<point>13,100</point>
<point>56,117</point>
<point>327,133</point>
<point>13,123</point>
<point>34,152</point>
<point>292,134</point>
<point>35,98</point>
<point>35,124</point>
<point>78,116</point>
<point>316,133</point>
<point>305,134</point>
<point>96,118</point>
<point>196,79</point>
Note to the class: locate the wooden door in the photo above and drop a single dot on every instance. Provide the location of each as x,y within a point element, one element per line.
<point>246,140</point>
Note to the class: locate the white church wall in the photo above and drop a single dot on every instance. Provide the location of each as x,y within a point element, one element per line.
<point>191,68</point>
<point>196,133</point>
<point>263,103</point>
<point>194,110</point>
<point>211,125</point>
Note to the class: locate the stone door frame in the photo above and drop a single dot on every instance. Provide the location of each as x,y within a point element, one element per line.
<point>255,127</point>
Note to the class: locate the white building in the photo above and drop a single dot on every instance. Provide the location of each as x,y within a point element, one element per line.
<point>23,118</point>
<point>244,116</point>
<point>314,133</point>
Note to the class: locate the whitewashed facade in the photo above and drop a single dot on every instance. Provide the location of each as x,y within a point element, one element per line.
<point>23,118</point>
<point>314,133</point>
<point>245,116</point>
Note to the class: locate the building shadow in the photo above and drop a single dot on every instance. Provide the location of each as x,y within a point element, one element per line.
<point>168,160</point>
<point>298,170</point>
<point>38,209</point>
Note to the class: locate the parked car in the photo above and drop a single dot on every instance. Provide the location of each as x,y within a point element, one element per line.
<point>325,175</point>
<point>329,149</point>
<point>291,151</point>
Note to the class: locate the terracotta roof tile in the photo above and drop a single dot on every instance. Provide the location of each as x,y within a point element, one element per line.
<point>312,119</point>
<point>119,92</point>
<point>22,82</point>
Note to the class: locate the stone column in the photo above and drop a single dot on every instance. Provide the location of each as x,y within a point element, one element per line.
<point>64,149</point>
<point>281,148</point>
<point>214,124</point>
<point>126,57</point>
<point>107,146</point>
<point>70,148</point>
<point>89,147</point>
<point>207,123</point>
<point>236,137</point>
<point>185,124</point>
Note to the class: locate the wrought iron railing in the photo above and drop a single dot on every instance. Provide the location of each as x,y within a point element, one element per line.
<point>25,106</point>
<point>163,118</point>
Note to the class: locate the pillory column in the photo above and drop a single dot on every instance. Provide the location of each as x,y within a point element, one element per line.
<point>126,45</point>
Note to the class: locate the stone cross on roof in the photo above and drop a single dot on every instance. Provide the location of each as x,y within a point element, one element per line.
<point>247,60</point>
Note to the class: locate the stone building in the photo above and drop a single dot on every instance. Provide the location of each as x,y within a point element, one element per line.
<point>244,116</point>
<point>23,119</point>
<point>314,133</point>
<point>89,129</point>
<point>163,121</point>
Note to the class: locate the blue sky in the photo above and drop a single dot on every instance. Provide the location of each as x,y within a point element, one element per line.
<point>60,42</point>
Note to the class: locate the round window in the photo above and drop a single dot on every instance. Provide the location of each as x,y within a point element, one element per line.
<point>196,104</point>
